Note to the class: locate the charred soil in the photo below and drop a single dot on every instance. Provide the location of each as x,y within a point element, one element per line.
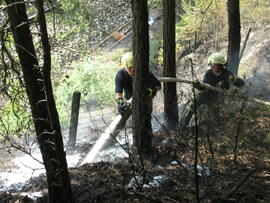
<point>233,166</point>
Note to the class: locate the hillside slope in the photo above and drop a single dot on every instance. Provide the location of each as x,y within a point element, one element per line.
<point>169,174</point>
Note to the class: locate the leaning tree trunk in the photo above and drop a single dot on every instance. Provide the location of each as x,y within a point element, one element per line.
<point>54,117</point>
<point>234,35</point>
<point>141,103</point>
<point>48,136</point>
<point>169,89</point>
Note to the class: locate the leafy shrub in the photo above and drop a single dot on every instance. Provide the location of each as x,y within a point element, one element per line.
<point>200,19</point>
<point>16,120</point>
<point>254,12</point>
<point>94,78</point>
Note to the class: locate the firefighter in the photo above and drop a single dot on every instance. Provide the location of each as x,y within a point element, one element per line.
<point>123,82</point>
<point>217,76</point>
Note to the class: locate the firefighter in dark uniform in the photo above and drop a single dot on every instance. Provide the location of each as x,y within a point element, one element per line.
<point>123,82</point>
<point>217,76</point>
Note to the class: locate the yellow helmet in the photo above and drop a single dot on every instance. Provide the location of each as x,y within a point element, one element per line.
<point>216,58</point>
<point>127,59</point>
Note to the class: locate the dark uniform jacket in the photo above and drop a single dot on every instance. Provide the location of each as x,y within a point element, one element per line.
<point>123,82</point>
<point>223,81</point>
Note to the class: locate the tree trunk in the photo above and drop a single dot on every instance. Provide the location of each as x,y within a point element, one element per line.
<point>43,112</point>
<point>234,35</point>
<point>66,191</point>
<point>170,93</point>
<point>141,103</point>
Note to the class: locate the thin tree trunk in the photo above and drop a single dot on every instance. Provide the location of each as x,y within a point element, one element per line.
<point>66,191</point>
<point>234,35</point>
<point>141,103</point>
<point>47,134</point>
<point>170,93</point>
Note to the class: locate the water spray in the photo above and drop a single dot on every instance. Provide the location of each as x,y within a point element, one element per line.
<point>111,132</point>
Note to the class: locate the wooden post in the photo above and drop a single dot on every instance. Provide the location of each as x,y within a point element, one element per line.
<point>74,119</point>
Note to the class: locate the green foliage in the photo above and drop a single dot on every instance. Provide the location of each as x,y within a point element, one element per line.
<point>15,120</point>
<point>94,78</point>
<point>155,46</point>
<point>254,12</point>
<point>154,3</point>
<point>203,18</point>
<point>75,12</point>
<point>199,19</point>
<point>15,114</point>
<point>91,20</point>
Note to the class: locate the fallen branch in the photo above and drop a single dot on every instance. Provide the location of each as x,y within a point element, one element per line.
<point>147,197</point>
<point>31,19</point>
<point>236,187</point>
<point>244,44</point>
<point>126,35</point>
<point>2,8</point>
<point>170,79</point>
<point>108,37</point>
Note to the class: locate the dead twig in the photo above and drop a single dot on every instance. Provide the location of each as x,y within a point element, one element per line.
<point>126,35</point>
<point>31,19</point>
<point>170,199</point>
<point>152,199</point>
<point>196,136</point>
<point>244,44</point>
<point>236,187</point>
<point>109,36</point>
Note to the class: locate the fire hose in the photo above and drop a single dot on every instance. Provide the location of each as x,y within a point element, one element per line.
<point>205,85</point>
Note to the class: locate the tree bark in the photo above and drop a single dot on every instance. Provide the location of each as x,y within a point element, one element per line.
<point>66,191</point>
<point>141,103</point>
<point>169,89</point>
<point>45,119</point>
<point>234,35</point>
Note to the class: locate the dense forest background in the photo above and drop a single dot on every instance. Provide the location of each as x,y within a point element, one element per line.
<point>87,40</point>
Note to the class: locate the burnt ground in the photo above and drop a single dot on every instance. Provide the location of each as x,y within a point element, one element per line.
<point>233,159</point>
<point>233,166</point>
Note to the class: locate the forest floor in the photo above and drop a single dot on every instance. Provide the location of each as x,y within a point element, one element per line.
<point>233,163</point>
<point>225,172</point>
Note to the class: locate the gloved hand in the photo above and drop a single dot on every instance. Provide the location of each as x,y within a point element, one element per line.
<point>223,85</point>
<point>236,81</point>
<point>197,85</point>
<point>122,106</point>
<point>152,92</point>
<point>233,92</point>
